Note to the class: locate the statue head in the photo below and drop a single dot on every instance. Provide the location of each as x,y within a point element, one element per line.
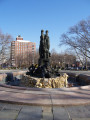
<point>42,32</point>
<point>46,32</point>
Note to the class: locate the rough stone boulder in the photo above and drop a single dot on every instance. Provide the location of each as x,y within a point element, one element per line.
<point>57,82</point>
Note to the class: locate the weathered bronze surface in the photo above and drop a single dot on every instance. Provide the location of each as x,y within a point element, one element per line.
<point>44,69</point>
<point>44,49</point>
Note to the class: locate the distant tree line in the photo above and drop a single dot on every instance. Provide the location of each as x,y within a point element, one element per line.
<point>57,59</point>
<point>62,60</point>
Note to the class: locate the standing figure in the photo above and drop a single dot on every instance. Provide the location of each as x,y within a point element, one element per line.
<point>44,49</point>
<point>41,47</point>
<point>47,45</point>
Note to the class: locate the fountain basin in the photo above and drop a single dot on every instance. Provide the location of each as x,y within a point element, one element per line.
<point>23,80</point>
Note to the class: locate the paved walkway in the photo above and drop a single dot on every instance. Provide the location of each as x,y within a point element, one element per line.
<point>24,112</point>
<point>18,103</point>
<point>42,96</point>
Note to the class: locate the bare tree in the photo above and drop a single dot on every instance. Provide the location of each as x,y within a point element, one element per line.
<point>5,40</point>
<point>78,39</point>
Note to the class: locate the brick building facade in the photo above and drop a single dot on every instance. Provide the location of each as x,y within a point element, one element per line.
<point>22,51</point>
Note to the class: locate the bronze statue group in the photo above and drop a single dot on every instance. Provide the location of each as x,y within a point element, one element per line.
<point>43,69</point>
<point>44,45</point>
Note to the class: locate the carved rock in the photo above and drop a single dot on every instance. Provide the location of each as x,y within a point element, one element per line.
<point>57,82</point>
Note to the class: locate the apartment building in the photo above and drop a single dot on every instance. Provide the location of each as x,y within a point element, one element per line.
<point>21,49</point>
